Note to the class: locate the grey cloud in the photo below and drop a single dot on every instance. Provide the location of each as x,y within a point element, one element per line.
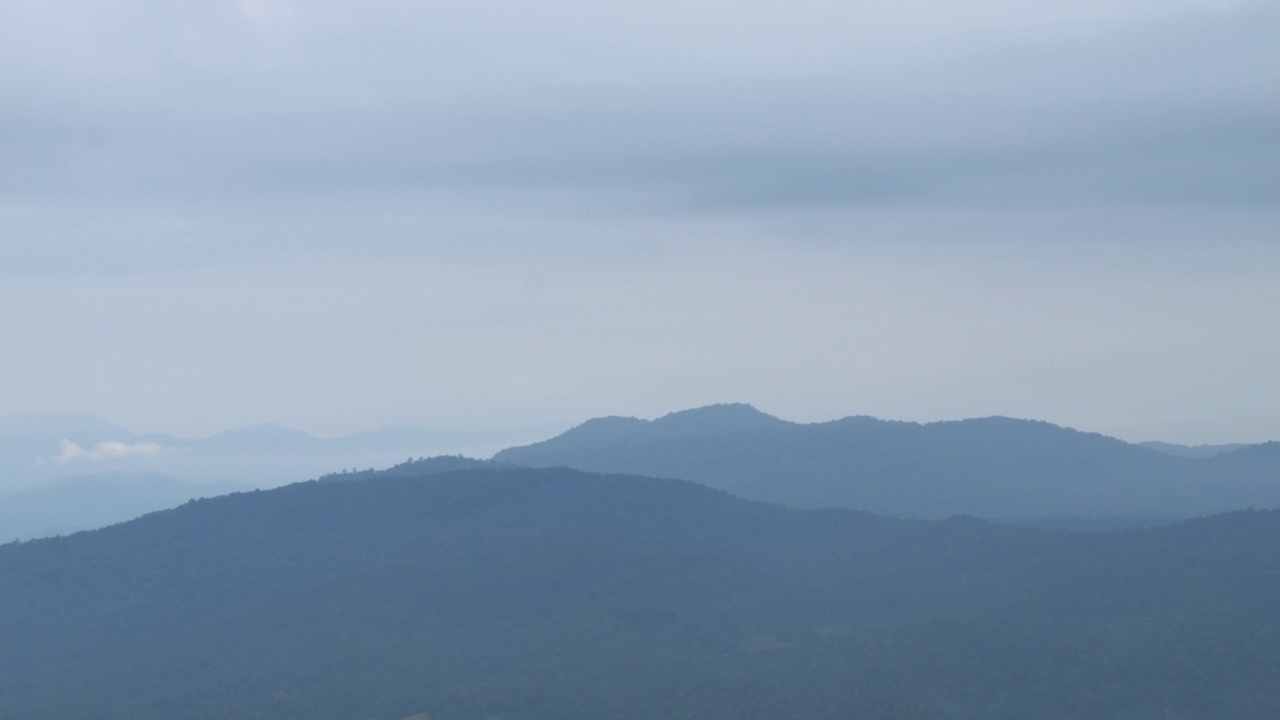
<point>1212,159</point>
<point>1156,109</point>
<point>657,204</point>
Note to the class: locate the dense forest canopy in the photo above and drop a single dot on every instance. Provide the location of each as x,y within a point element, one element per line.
<point>524,593</point>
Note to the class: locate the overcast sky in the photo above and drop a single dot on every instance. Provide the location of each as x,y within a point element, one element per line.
<point>490,214</point>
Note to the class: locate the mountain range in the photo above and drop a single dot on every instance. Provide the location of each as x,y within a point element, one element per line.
<point>61,474</point>
<point>531,594</point>
<point>989,467</point>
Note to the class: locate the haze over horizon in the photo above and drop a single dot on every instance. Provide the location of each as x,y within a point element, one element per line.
<point>470,442</point>
<point>339,218</point>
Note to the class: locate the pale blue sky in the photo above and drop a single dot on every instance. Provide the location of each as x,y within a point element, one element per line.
<point>341,216</point>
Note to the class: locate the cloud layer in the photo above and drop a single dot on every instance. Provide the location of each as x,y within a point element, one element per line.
<point>340,216</point>
<point>723,104</point>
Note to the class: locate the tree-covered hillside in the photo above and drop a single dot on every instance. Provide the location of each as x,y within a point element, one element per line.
<point>560,594</point>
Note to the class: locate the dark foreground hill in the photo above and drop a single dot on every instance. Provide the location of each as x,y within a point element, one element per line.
<point>991,467</point>
<point>555,594</point>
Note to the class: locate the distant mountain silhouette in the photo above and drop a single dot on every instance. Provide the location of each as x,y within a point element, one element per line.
<point>556,594</point>
<point>77,427</point>
<point>35,449</point>
<point>990,467</point>
<point>264,437</point>
<point>1192,451</point>
<point>85,502</point>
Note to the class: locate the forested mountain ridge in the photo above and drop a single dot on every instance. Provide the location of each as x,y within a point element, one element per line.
<point>558,594</point>
<point>989,467</point>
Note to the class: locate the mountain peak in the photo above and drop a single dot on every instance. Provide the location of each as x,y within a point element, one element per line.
<point>260,437</point>
<point>716,418</point>
<point>995,467</point>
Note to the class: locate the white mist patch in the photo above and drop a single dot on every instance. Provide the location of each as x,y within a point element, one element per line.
<point>67,451</point>
<point>105,450</point>
<point>113,449</point>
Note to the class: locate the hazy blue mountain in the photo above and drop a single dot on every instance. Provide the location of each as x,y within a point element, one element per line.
<point>261,438</point>
<point>76,427</point>
<point>34,449</point>
<point>989,467</point>
<point>555,594</point>
<point>1192,451</point>
<point>85,502</point>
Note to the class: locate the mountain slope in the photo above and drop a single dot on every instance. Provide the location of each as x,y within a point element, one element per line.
<point>559,594</point>
<point>990,467</point>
